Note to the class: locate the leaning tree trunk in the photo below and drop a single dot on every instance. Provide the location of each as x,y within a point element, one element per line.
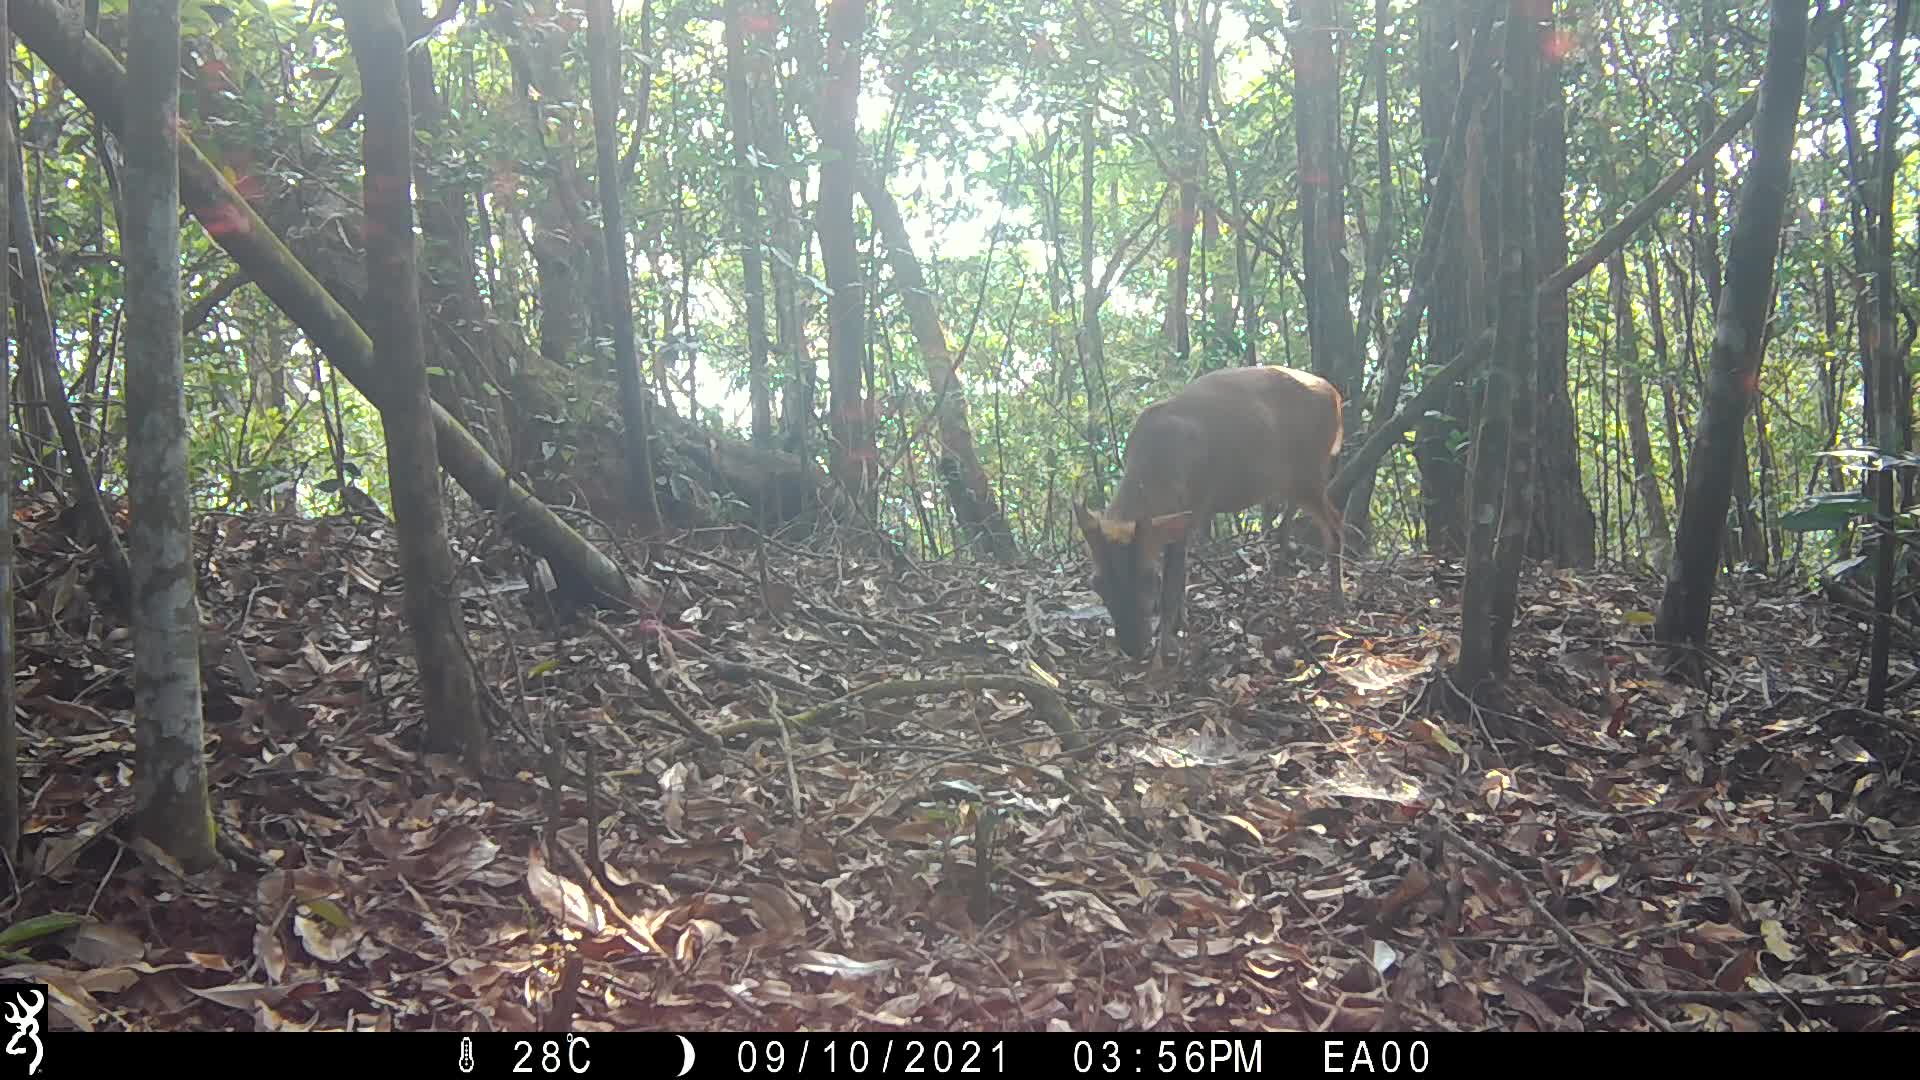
<point>170,765</point>
<point>1734,375</point>
<point>968,489</point>
<point>447,688</point>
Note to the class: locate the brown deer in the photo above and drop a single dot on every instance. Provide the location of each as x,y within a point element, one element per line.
<point>1228,440</point>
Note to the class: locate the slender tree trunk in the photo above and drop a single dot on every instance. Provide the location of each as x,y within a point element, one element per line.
<point>9,730</point>
<point>1177,331</point>
<point>747,213</point>
<point>1891,429</point>
<point>1686,607</point>
<point>1438,439</point>
<point>1323,203</point>
<point>1563,521</point>
<point>37,353</point>
<point>1359,505</point>
<point>170,769</point>
<point>451,698</point>
<point>1093,347</point>
<point>1645,480</point>
<point>1671,404</point>
<point>636,406</point>
<point>850,420</point>
<point>1503,485</point>
<point>968,489</point>
<point>790,312</point>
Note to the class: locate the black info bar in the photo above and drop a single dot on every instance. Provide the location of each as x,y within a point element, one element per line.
<point>1058,1056</point>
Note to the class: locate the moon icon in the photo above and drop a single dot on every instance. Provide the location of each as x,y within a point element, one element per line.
<point>686,1047</point>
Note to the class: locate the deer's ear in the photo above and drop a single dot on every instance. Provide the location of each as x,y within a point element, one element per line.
<point>1169,528</point>
<point>1088,521</point>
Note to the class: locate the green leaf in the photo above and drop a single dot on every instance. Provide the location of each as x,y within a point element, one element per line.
<point>331,912</point>
<point>38,927</point>
<point>544,667</point>
<point>1827,512</point>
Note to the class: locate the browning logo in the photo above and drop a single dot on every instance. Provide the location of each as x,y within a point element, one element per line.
<point>25,1005</point>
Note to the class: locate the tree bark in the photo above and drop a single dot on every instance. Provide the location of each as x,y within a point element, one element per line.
<point>455,724</point>
<point>1686,607</point>
<point>1503,475</point>
<point>1323,203</point>
<point>1436,446</point>
<point>1563,521</point>
<point>854,460</point>
<point>636,405</point>
<point>1884,363</point>
<point>1646,482</point>
<point>1177,331</point>
<point>37,351</point>
<point>9,731</point>
<point>747,218</point>
<point>170,768</point>
<point>968,490</point>
<point>1359,504</point>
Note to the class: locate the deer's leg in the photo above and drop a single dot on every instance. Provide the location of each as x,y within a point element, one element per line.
<point>1173,598</point>
<point>1332,534</point>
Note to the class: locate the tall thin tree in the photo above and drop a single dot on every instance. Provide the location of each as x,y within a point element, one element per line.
<point>1738,337</point>
<point>171,804</point>
<point>746,203</point>
<point>9,733</point>
<point>449,694</point>
<point>1504,482</point>
<point>636,405</point>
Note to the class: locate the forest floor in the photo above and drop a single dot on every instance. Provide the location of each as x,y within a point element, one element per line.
<point>1283,836</point>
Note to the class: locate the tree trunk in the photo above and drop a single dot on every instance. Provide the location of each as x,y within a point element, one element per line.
<point>790,311</point>
<point>1093,345</point>
<point>968,489</point>
<point>747,214</point>
<point>10,730</point>
<point>170,767</point>
<point>1891,428</point>
<point>1503,460</point>
<point>636,405</point>
<point>1177,331</point>
<point>36,341</point>
<point>854,459</point>
<point>465,338</point>
<point>1323,204</point>
<point>1686,607</point>
<point>451,699</point>
<point>1646,482</point>
<point>1563,522</point>
<point>1438,439</point>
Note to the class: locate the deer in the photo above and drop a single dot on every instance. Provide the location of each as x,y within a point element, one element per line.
<point>1226,441</point>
